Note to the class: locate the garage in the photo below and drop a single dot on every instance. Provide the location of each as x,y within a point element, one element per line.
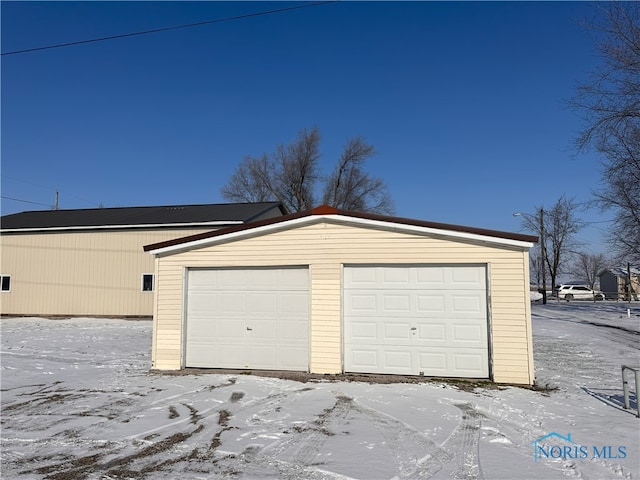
<point>251,318</point>
<point>416,320</point>
<point>330,291</point>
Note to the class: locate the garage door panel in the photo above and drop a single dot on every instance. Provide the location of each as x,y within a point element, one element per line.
<point>222,356</point>
<point>262,279</point>
<point>201,302</point>
<point>469,305</point>
<point>248,318</point>
<point>224,329</point>
<point>294,279</point>
<point>360,304</point>
<point>360,278</point>
<point>202,280</point>
<point>391,277</point>
<point>467,335</point>
<point>261,303</point>
<point>444,361</point>
<point>364,331</point>
<point>470,364</point>
<point>290,357</point>
<point>395,303</point>
<point>199,327</point>
<point>430,278</point>
<point>432,333</point>
<point>230,279</point>
<point>261,356</point>
<point>294,303</point>
<point>293,332</point>
<point>396,360</point>
<point>259,330</point>
<point>434,318</point>
<point>430,304</point>
<point>397,332</point>
<point>363,360</point>
<point>471,277</point>
<point>432,363</point>
<point>228,303</point>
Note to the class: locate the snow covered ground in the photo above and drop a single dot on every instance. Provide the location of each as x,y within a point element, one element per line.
<point>78,402</point>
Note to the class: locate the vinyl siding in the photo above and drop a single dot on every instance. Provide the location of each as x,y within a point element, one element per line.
<point>326,247</point>
<point>80,273</point>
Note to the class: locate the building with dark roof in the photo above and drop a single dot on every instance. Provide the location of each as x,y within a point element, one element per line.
<point>90,262</point>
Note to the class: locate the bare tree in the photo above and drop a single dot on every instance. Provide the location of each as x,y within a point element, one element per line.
<point>349,187</point>
<point>589,265</point>
<point>297,172</point>
<point>610,106</point>
<point>251,181</point>
<point>555,227</point>
<point>535,268</point>
<point>291,175</point>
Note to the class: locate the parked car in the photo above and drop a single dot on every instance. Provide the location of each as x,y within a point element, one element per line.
<point>578,292</point>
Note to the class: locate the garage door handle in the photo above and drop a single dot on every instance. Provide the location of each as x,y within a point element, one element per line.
<point>413,328</point>
<point>250,329</point>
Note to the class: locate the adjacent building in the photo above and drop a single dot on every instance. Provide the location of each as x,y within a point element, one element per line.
<point>620,283</point>
<point>91,261</point>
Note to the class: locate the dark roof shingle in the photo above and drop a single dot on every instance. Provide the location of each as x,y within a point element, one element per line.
<point>140,216</point>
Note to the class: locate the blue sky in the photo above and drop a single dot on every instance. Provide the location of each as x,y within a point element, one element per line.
<point>465,102</point>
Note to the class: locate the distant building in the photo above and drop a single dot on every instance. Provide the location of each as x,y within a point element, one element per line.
<point>615,283</point>
<point>91,261</point>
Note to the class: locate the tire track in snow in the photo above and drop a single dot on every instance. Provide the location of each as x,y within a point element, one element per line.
<point>317,438</point>
<point>463,445</point>
<point>397,435</point>
<point>309,442</point>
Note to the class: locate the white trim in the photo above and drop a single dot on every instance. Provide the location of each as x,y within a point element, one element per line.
<point>124,227</point>
<point>399,227</point>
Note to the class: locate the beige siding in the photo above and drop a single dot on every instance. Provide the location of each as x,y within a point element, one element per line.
<point>326,247</point>
<point>80,273</point>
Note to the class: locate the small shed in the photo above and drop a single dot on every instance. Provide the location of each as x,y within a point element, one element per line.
<point>615,282</point>
<point>330,291</point>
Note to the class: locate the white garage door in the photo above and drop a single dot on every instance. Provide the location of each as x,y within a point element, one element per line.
<point>416,320</point>
<point>248,318</point>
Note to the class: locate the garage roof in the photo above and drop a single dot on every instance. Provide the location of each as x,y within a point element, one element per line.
<point>139,217</point>
<point>340,216</point>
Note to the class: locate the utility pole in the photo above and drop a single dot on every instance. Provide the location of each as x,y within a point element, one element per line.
<point>543,254</point>
<point>55,205</point>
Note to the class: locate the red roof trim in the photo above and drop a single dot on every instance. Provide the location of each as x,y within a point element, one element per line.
<point>327,210</point>
<point>324,210</point>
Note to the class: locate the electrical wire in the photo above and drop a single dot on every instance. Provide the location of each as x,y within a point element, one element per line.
<point>175,27</point>
<point>24,201</point>
<point>54,189</point>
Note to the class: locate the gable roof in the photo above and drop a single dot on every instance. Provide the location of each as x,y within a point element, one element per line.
<point>620,271</point>
<point>140,217</point>
<point>326,213</point>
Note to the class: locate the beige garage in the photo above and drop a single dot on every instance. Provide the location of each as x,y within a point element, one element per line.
<point>331,291</point>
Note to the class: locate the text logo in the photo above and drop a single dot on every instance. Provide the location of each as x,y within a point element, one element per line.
<point>555,446</point>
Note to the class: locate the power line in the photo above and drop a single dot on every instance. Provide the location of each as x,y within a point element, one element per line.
<point>24,201</point>
<point>55,189</point>
<point>175,27</point>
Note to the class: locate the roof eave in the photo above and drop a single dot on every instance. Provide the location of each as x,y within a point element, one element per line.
<point>246,231</point>
<point>123,227</point>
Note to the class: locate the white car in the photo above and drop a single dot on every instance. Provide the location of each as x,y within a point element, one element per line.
<point>578,292</point>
